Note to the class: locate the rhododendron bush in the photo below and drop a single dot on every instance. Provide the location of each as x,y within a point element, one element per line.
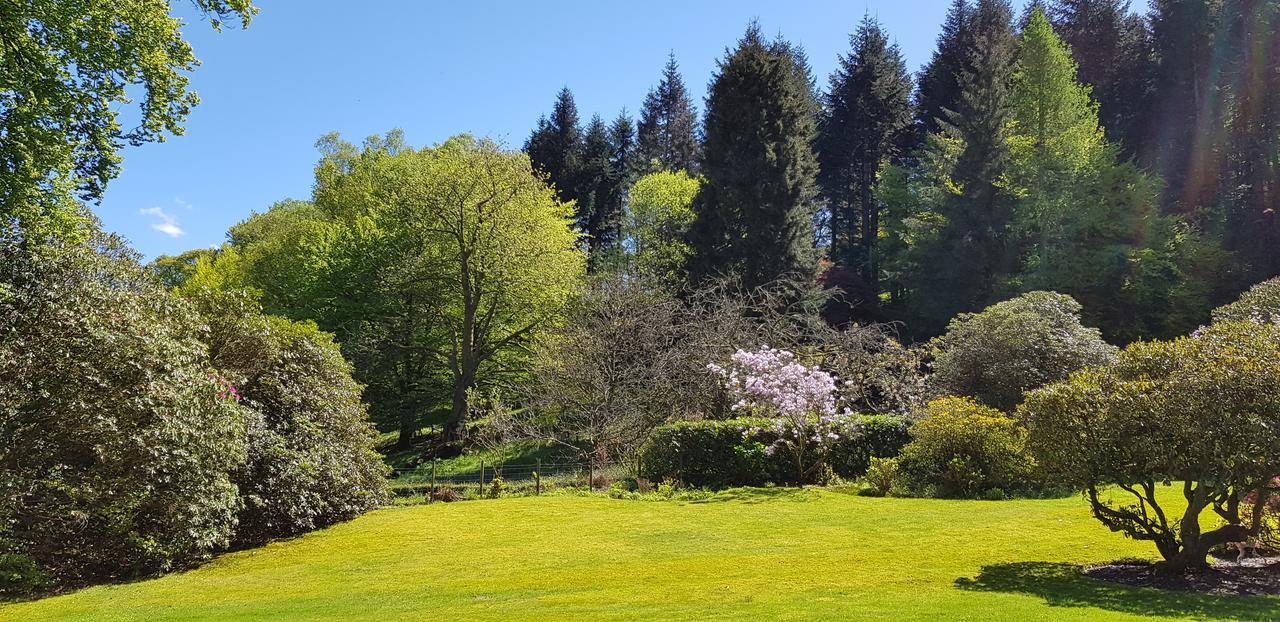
<point>800,400</point>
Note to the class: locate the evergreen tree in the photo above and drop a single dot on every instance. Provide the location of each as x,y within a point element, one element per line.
<point>668,125</point>
<point>939,81</point>
<point>969,257</point>
<point>555,147</point>
<point>754,214</point>
<point>597,215</point>
<point>1112,48</point>
<point>865,122</point>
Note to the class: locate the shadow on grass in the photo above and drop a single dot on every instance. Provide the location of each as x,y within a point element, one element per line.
<point>760,495</point>
<point>1064,585</point>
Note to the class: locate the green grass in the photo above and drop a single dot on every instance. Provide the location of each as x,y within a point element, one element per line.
<point>771,554</point>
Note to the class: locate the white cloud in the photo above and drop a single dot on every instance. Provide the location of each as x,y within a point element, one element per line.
<point>168,224</point>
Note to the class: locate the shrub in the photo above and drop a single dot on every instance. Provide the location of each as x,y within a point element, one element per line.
<point>311,460</point>
<point>116,443</point>
<point>866,438</point>
<point>712,454</point>
<point>733,452</point>
<point>1260,304</point>
<point>1015,346</point>
<point>881,475</point>
<point>966,450</point>
<point>1202,410</point>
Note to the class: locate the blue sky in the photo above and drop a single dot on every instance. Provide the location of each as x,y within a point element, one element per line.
<point>435,69</point>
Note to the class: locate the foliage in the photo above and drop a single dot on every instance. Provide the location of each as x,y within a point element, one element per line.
<point>1012,347</point>
<point>733,452</point>
<point>881,476</point>
<point>668,130</point>
<point>1201,410</point>
<point>754,211</point>
<point>866,122</point>
<point>962,449</point>
<point>116,441</point>
<point>310,459</point>
<point>600,381</point>
<point>69,71</point>
<point>1260,304</point>
<point>657,223</point>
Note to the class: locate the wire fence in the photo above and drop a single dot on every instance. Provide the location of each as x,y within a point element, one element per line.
<point>434,481</point>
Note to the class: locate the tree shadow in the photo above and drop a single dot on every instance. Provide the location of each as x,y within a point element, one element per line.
<point>1065,585</point>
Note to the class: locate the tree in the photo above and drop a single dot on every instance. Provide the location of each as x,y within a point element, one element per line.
<point>602,380</point>
<point>865,124</point>
<point>657,224</point>
<point>69,71</point>
<point>599,200</point>
<point>965,262</point>
<point>668,132</point>
<point>1198,410</point>
<point>1112,46</point>
<point>116,441</point>
<point>556,145</point>
<point>939,83</point>
<point>754,212</point>
<point>310,458</point>
<point>1012,347</point>
<point>478,226</point>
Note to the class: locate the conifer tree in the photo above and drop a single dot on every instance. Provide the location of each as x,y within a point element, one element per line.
<point>598,215</point>
<point>939,81</point>
<point>865,122</point>
<point>1111,46</point>
<point>967,260</point>
<point>754,214</point>
<point>555,146</point>
<point>668,125</point>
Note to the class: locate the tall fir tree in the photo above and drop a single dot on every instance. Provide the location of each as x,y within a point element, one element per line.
<point>754,214</point>
<point>668,130</point>
<point>939,80</point>
<point>866,122</point>
<point>555,146</point>
<point>597,214</point>
<point>1112,48</point>
<point>970,256</point>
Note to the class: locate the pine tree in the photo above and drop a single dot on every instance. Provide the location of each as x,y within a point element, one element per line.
<point>555,147</point>
<point>966,263</point>
<point>1112,48</point>
<point>754,214</point>
<point>596,215</point>
<point>866,120</point>
<point>668,125</point>
<point>939,81</point>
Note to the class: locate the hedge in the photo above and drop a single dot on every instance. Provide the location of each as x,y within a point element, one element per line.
<point>731,452</point>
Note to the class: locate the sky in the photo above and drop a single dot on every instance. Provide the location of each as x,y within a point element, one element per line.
<point>433,69</point>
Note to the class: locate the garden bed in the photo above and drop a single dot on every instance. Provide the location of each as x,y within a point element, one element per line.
<point>1256,576</point>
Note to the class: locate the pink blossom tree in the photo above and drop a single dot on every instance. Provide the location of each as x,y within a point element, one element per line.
<point>801,401</point>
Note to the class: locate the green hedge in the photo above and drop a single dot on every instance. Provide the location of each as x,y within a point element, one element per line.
<point>731,452</point>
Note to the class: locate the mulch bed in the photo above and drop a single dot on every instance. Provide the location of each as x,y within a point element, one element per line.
<point>1257,576</point>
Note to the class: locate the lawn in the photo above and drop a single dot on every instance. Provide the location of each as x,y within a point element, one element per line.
<point>775,554</point>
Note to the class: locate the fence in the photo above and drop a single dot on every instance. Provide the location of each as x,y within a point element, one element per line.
<point>490,479</point>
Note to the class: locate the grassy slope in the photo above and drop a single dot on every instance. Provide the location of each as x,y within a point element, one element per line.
<point>789,555</point>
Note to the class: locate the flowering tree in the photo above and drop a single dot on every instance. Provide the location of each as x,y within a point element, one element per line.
<point>801,400</point>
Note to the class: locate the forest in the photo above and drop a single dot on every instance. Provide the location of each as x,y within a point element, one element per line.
<point>1044,264</point>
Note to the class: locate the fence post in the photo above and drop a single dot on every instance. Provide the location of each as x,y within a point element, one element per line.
<point>537,479</point>
<point>481,478</point>
<point>432,496</point>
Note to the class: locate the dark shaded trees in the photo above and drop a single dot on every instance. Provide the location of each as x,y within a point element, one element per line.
<point>668,131</point>
<point>865,123</point>
<point>754,214</point>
